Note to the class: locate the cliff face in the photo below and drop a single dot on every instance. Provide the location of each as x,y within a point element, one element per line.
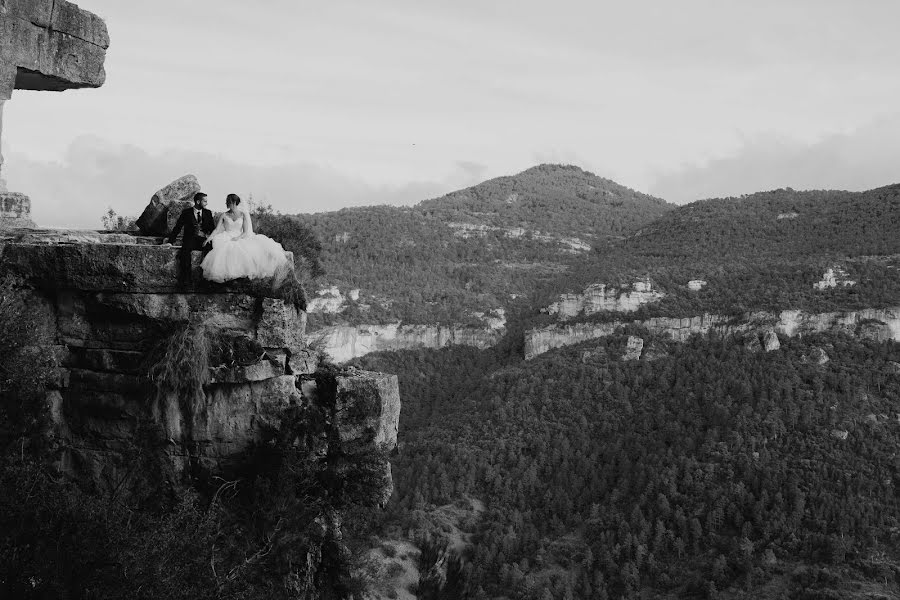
<point>110,305</point>
<point>345,342</point>
<point>602,298</point>
<point>878,324</point>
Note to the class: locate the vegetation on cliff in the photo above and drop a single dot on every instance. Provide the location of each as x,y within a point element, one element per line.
<point>269,527</point>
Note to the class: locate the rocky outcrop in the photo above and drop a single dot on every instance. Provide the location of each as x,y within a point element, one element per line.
<point>695,285</point>
<point>876,324</point>
<point>466,231</point>
<point>110,308</point>
<point>329,300</point>
<point>832,278</point>
<point>165,206</point>
<point>600,297</point>
<point>15,211</point>
<point>633,348</point>
<point>770,341</point>
<point>50,45</point>
<point>345,342</point>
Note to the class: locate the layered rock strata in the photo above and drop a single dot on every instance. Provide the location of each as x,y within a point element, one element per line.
<point>600,297</point>
<point>345,342</point>
<point>109,307</point>
<point>50,45</point>
<point>875,324</point>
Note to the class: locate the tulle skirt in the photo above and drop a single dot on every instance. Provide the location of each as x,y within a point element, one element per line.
<point>255,256</point>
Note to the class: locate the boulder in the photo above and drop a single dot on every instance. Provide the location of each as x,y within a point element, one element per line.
<point>166,205</point>
<point>15,211</point>
<point>770,341</point>
<point>633,348</point>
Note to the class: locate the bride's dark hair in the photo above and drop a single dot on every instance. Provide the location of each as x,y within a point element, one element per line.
<point>233,198</point>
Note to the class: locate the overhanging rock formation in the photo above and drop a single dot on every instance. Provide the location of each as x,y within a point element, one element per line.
<point>47,45</point>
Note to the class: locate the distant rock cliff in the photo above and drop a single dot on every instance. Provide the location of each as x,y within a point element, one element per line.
<point>877,324</point>
<point>601,297</point>
<point>345,342</point>
<point>110,303</point>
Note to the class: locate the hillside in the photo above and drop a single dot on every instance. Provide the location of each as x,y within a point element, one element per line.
<point>474,250</point>
<point>706,469</point>
<point>561,200</point>
<point>778,223</point>
<point>766,251</point>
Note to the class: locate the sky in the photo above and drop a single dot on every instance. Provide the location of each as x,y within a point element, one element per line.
<point>314,106</point>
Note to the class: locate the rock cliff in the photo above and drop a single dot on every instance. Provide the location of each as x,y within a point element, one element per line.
<point>345,342</point>
<point>600,297</point>
<point>50,45</point>
<point>112,313</point>
<point>876,324</point>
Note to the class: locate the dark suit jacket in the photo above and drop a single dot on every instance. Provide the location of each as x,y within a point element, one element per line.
<point>191,227</point>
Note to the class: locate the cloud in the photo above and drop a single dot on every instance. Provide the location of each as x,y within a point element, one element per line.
<point>863,159</point>
<point>95,174</point>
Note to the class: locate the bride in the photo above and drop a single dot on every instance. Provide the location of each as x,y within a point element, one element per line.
<point>237,251</point>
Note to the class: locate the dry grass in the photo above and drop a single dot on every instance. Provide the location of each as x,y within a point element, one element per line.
<point>287,286</point>
<point>180,364</point>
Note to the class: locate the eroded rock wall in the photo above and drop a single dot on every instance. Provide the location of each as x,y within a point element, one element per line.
<point>345,342</point>
<point>877,324</point>
<point>110,302</point>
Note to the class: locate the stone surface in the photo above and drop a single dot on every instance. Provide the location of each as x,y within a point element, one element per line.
<point>345,342</point>
<point>603,298</point>
<point>634,348</point>
<point>367,417</point>
<point>166,205</point>
<point>832,278</point>
<point>770,341</point>
<point>50,45</point>
<point>107,307</point>
<point>132,268</point>
<point>15,211</point>
<point>367,411</point>
<point>695,285</point>
<point>877,324</point>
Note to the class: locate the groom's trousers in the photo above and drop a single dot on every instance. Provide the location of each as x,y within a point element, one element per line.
<point>185,259</point>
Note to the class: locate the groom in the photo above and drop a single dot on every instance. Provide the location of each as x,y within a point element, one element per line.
<point>198,224</point>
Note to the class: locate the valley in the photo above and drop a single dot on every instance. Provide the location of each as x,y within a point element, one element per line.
<point>703,404</point>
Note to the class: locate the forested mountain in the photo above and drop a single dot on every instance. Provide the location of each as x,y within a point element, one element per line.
<point>475,249</point>
<point>710,472</point>
<point>556,199</point>
<point>779,223</point>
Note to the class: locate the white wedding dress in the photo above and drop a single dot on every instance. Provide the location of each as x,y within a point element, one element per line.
<point>238,252</point>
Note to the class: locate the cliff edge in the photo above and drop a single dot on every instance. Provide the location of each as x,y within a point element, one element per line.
<point>162,387</point>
